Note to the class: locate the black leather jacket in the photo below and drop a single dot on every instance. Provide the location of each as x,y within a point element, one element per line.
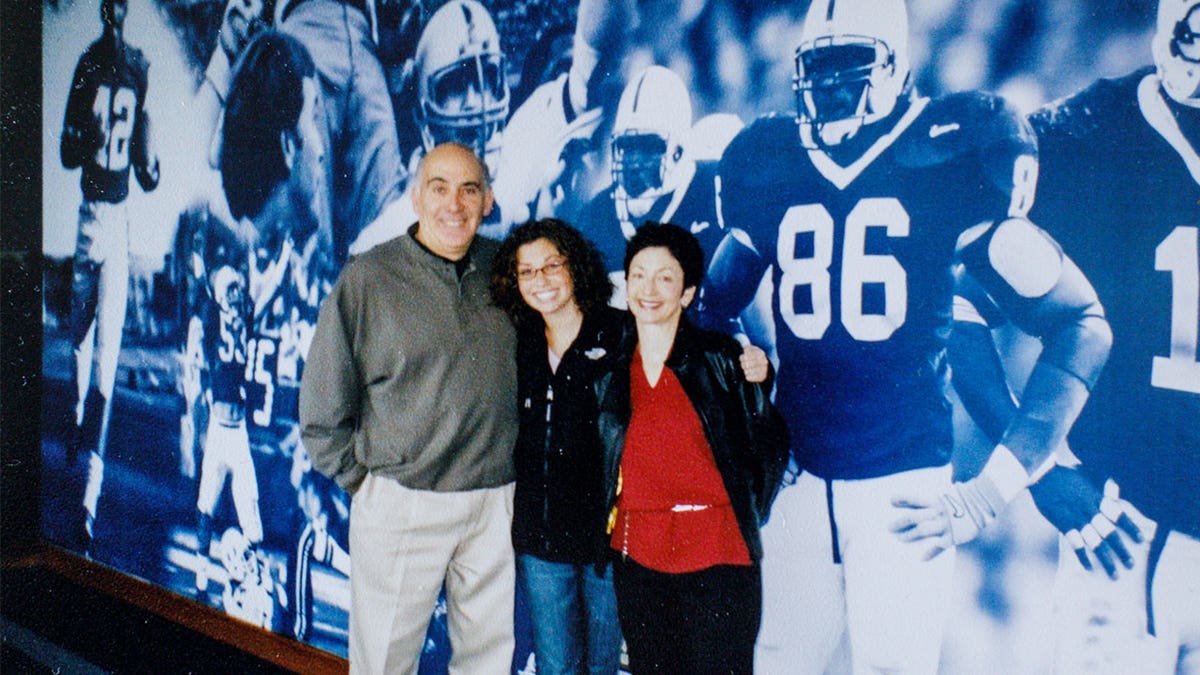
<point>558,508</point>
<point>748,437</point>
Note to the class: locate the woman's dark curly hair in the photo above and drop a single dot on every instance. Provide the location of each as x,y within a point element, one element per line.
<point>592,285</point>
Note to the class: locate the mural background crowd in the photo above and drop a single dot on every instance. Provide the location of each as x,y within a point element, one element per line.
<point>725,63</point>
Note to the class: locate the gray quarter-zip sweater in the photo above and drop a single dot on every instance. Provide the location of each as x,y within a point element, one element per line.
<point>411,373</point>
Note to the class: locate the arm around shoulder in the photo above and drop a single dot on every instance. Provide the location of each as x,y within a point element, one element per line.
<point>769,441</point>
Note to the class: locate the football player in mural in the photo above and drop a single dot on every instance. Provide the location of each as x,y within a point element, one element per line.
<point>554,163</point>
<point>106,132</point>
<point>462,85</point>
<point>226,452</point>
<point>862,206</point>
<point>655,175</point>
<point>251,592</point>
<point>463,95</point>
<point>318,525</point>
<point>1130,508</point>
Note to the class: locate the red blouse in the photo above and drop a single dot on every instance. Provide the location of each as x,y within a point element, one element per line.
<point>673,513</point>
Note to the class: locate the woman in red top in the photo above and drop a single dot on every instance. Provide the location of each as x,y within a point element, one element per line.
<point>694,454</point>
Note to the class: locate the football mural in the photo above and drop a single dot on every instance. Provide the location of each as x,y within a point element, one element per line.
<point>966,234</point>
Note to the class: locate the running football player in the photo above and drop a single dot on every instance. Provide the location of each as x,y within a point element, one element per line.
<point>863,206</point>
<point>1120,189</point>
<point>106,131</point>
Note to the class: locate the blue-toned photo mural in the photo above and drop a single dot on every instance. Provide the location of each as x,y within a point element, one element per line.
<point>965,233</point>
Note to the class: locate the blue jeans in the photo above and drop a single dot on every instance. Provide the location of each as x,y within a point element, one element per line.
<point>574,616</point>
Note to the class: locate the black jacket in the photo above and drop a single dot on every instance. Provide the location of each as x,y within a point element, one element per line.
<point>559,507</point>
<point>748,437</point>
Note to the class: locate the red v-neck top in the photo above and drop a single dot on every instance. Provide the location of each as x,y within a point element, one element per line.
<point>673,513</point>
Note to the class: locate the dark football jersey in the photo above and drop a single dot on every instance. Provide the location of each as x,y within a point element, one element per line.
<point>279,337</point>
<point>695,211</point>
<point>225,348</point>
<point>861,259</point>
<point>109,85</point>
<point>1120,190</point>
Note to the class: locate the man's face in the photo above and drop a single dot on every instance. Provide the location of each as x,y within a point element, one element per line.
<point>308,182</point>
<point>451,199</point>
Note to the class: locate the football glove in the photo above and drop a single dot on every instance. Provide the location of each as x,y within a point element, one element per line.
<point>1090,521</point>
<point>960,513</point>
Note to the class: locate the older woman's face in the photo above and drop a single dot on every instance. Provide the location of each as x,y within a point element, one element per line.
<point>654,286</point>
<point>544,278</point>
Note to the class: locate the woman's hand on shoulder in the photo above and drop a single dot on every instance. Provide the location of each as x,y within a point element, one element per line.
<point>755,365</point>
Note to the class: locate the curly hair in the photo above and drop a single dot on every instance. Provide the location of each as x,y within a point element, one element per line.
<point>588,277</point>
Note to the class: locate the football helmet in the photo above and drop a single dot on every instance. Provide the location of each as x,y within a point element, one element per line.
<point>653,118</point>
<point>851,67</point>
<point>1176,49</point>
<point>462,84</point>
<point>237,556</point>
<point>228,289</point>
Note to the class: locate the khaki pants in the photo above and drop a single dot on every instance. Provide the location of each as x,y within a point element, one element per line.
<point>403,544</point>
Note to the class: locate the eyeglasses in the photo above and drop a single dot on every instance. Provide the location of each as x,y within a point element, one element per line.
<point>550,269</point>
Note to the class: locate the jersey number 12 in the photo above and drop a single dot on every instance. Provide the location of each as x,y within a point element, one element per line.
<point>115,112</point>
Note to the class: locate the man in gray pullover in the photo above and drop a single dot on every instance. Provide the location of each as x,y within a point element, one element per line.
<point>408,401</point>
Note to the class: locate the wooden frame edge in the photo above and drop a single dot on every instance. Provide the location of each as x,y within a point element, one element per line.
<point>280,650</point>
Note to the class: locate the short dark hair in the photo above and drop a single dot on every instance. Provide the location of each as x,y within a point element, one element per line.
<point>592,286</point>
<point>266,96</point>
<point>683,245</point>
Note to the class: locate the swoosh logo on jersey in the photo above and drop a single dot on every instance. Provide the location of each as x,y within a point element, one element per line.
<point>942,129</point>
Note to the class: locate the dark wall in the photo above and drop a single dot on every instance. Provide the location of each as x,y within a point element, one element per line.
<point>20,273</point>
